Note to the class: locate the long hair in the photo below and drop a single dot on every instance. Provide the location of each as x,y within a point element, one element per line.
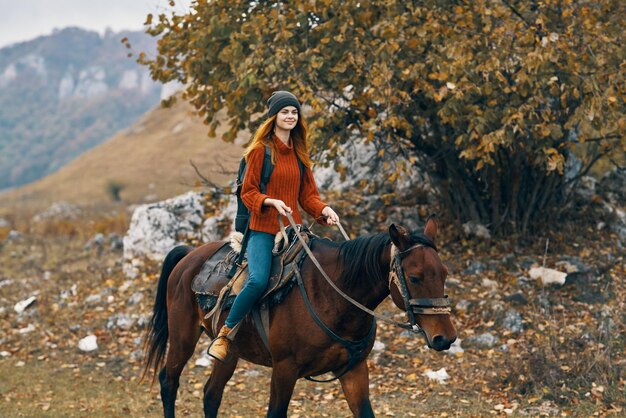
<point>263,137</point>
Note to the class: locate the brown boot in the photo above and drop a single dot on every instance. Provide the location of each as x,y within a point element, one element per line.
<point>219,347</point>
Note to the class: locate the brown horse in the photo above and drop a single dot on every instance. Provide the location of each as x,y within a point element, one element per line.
<point>299,346</point>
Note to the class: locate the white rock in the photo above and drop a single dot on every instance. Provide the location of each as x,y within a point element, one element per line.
<point>547,276</point>
<point>204,361</point>
<point>378,346</point>
<point>26,330</point>
<point>93,299</point>
<point>89,343</point>
<point>129,80</point>
<point>121,321</point>
<point>5,354</point>
<point>158,227</point>
<point>135,298</point>
<point>72,291</point>
<point>456,348</point>
<point>21,306</point>
<point>489,283</point>
<point>6,282</point>
<point>91,82</point>
<point>252,373</point>
<point>440,375</point>
<point>66,86</point>
<point>476,230</point>
<point>211,226</point>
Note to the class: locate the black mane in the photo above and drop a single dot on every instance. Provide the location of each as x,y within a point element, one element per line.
<point>360,257</point>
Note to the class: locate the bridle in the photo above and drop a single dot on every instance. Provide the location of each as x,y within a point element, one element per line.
<point>417,306</point>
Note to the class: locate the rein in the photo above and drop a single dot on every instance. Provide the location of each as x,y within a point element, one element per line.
<point>422,306</point>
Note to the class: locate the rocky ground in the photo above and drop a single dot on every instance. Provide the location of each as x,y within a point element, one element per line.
<point>72,324</point>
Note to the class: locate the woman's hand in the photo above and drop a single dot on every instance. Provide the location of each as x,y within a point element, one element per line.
<point>279,205</point>
<point>331,217</point>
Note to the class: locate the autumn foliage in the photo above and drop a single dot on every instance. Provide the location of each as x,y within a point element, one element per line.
<point>505,103</point>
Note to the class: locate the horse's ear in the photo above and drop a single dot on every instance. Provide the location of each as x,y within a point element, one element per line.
<point>430,230</point>
<point>399,236</point>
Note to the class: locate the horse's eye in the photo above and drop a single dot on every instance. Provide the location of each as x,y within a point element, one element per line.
<point>415,279</point>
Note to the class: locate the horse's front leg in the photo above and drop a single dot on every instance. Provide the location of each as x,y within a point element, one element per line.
<point>284,377</point>
<point>355,386</point>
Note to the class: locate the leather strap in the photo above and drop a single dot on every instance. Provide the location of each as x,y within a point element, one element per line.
<point>257,317</point>
<point>431,301</point>
<point>334,286</point>
<point>355,348</point>
<point>343,231</point>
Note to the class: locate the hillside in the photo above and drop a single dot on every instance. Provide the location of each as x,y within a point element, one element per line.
<point>148,161</point>
<point>64,93</point>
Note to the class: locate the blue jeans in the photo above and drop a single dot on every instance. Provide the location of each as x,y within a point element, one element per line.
<point>260,247</point>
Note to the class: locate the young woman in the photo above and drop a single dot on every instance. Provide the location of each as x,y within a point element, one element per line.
<point>285,133</point>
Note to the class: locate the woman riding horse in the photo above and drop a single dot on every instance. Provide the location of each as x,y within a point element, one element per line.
<point>285,133</point>
<point>326,326</point>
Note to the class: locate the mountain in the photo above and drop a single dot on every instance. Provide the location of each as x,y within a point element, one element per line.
<point>148,161</point>
<point>64,93</point>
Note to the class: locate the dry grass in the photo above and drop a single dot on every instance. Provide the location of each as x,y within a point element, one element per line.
<point>148,161</point>
<point>46,375</point>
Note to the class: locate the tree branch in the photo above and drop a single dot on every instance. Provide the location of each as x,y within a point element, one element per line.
<point>517,13</point>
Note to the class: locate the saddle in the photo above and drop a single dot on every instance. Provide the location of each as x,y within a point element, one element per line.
<point>216,291</point>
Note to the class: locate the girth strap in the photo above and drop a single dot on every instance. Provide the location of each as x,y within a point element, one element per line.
<point>355,348</point>
<point>261,327</point>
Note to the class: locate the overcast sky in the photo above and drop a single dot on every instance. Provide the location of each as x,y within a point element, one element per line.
<point>22,20</point>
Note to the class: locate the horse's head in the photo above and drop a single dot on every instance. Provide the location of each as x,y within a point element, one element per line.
<point>417,283</point>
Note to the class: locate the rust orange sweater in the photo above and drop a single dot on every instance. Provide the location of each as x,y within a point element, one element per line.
<point>283,185</point>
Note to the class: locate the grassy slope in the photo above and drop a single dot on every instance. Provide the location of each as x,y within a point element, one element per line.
<point>149,158</point>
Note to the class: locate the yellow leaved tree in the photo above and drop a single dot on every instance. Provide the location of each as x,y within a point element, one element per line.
<point>492,98</point>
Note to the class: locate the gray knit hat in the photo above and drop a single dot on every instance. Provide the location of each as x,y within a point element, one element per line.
<point>280,99</point>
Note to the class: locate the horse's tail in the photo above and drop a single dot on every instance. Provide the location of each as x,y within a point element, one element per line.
<point>156,339</point>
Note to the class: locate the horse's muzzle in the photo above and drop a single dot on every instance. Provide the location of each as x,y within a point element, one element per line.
<point>441,343</point>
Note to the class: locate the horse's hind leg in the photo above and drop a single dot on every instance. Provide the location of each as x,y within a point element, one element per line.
<point>214,388</point>
<point>183,340</point>
<point>355,386</point>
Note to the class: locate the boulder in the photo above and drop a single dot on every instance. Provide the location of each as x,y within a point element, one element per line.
<point>158,227</point>
<point>486,340</point>
<point>474,229</point>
